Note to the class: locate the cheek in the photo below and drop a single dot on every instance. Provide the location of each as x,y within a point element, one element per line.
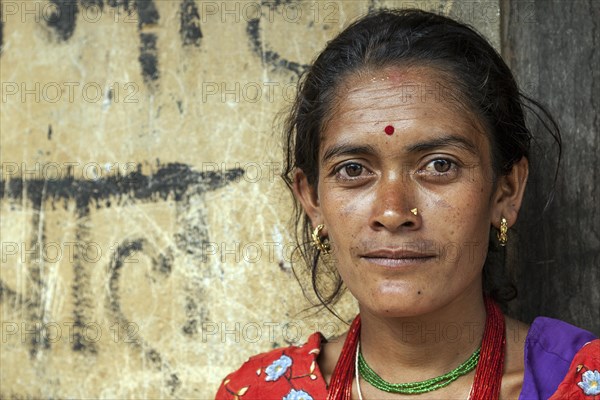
<point>459,214</point>
<point>344,216</point>
<point>338,203</point>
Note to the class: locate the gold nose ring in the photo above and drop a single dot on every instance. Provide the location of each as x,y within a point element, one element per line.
<point>414,211</point>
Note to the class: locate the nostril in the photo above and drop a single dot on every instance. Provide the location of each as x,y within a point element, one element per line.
<point>378,224</point>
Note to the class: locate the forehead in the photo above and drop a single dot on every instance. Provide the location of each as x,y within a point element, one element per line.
<point>419,99</point>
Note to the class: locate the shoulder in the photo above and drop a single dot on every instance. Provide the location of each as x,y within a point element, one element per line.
<point>558,338</point>
<point>288,372</point>
<point>550,347</point>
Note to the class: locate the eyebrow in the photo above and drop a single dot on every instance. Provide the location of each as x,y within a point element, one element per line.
<point>443,141</point>
<point>347,149</point>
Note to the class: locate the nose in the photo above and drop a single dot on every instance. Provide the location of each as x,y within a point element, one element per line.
<point>392,205</point>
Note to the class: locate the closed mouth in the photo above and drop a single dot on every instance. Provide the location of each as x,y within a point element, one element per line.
<point>397,258</point>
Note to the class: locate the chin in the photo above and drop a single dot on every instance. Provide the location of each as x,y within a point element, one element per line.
<point>395,312</point>
<point>398,303</point>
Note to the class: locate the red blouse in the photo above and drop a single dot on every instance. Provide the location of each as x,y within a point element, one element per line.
<point>289,373</point>
<point>292,373</point>
<point>583,379</point>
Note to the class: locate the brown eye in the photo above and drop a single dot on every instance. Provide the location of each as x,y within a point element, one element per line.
<point>442,165</point>
<point>353,170</point>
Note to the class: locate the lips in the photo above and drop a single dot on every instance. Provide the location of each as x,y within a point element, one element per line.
<point>396,257</point>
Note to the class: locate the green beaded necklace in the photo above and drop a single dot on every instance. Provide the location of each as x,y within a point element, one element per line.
<point>416,387</point>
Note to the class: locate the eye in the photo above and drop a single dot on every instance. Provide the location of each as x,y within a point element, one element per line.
<point>440,166</point>
<point>353,169</point>
<point>350,171</point>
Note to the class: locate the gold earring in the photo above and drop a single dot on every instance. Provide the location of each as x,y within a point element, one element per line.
<point>414,211</point>
<point>318,243</point>
<point>502,235</point>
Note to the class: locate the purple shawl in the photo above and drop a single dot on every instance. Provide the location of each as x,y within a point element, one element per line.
<point>550,346</point>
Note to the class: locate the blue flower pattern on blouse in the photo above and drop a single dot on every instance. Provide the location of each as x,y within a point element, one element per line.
<point>278,368</point>
<point>298,395</point>
<point>590,383</point>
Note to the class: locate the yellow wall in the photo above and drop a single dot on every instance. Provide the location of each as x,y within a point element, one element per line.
<point>145,236</point>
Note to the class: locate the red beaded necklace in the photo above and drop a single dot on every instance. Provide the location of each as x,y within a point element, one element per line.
<point>488,374</point>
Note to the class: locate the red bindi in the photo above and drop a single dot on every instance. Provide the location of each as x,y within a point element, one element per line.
<point>389,130</point>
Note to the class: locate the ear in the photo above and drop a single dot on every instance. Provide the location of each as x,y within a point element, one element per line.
<point>509,193</point>
<point>308,197</point>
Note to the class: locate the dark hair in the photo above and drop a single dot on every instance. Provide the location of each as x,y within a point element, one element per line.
<point>387,38</point>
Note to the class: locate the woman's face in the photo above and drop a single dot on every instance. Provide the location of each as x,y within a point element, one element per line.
<point>437,160</point>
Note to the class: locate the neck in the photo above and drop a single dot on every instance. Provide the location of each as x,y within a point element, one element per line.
<point>406,349</point>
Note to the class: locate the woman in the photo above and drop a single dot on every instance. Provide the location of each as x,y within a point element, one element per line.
<point>407,149</point>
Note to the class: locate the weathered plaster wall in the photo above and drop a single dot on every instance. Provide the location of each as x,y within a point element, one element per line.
<point>145,244</point>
